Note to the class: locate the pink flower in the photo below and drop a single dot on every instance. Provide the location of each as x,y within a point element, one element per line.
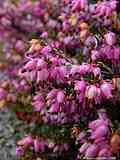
<point>38,105</point>
<point>105,8</point>
<point>106,89</point>
<point>42,75</point>
<point>38,102</point>
<point>95,55</point>
<point>54,60</point>
<point>110,38</point>
<point>54,108</point>
<point>80,86</point>
<point>79,4</point>
<point>52,94</point>
<point>65,26</point>
<point>44,35</point>
<point>26,141</point>
<point>20,46</point>
<point>62,72</point>
<point>42,146</point>
<point>113,4</point>
<point>19,151</point>
<point>84,147</point>
<point>96,123</point>
<point>60,96</point>
<point>91,151</point>
<point>46,50</point>
<point>85,68</point>
<point>41,64</point>
<point>39,146</point>
<point>36,145</point>
<point>75,69</point>
<point>68,40</point>
<point>100,141</point>
<point>97,72</point>
<point>30,65</point>
<point>105,152</point>
<point>116,53</point>
<point>93,93</point>
<point>101,131</point>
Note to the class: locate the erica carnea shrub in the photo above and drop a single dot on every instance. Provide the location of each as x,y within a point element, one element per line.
<point>62,74</point>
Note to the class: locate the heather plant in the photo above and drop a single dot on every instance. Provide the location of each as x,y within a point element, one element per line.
<point>62,67</point>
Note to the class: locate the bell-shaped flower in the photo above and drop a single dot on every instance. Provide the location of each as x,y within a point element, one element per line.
<point>91,151</point>
<point>68,40</point>
<point>38,105</point>
<point>65,26</point>
<point>46,50</point>
<point>30,65</point>
<point>97,72</point>
<point>106,90</point>
<point>101,131</point>
<point>110,38</point>
<point>52,94</point>
<point>42,75</point>
<point>79,5</point>
<point>39,146</point>
<point>20,46</point>
<point>93,93</point>
<point>54,108</point>
<point>96,123</point>
<point>38,102</point>
<point>84,147</point>
<point>26,141</point>
<point>80,86</point>
<point>60,96</point>
<point>105,153</point>
<point>95,55</point>
<point>19,151</point>
<point>41,64</point>
<point>44,35</point>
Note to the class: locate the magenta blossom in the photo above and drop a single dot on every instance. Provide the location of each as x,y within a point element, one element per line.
<point>26,141</point>
<point>91,151</point>
<point>19,151</point>
<point>60,96</point>
<point>101,131</point>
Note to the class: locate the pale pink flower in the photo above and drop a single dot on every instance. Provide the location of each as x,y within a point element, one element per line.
<point>93,93</point>
<point>106,89</point>
<point>110,38</point>
<point>96,71</point>
<point>80,86</point>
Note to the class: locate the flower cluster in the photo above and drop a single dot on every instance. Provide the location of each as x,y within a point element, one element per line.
<point>95,143</point>
<point>61,66</point>
<point>39,145</point>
